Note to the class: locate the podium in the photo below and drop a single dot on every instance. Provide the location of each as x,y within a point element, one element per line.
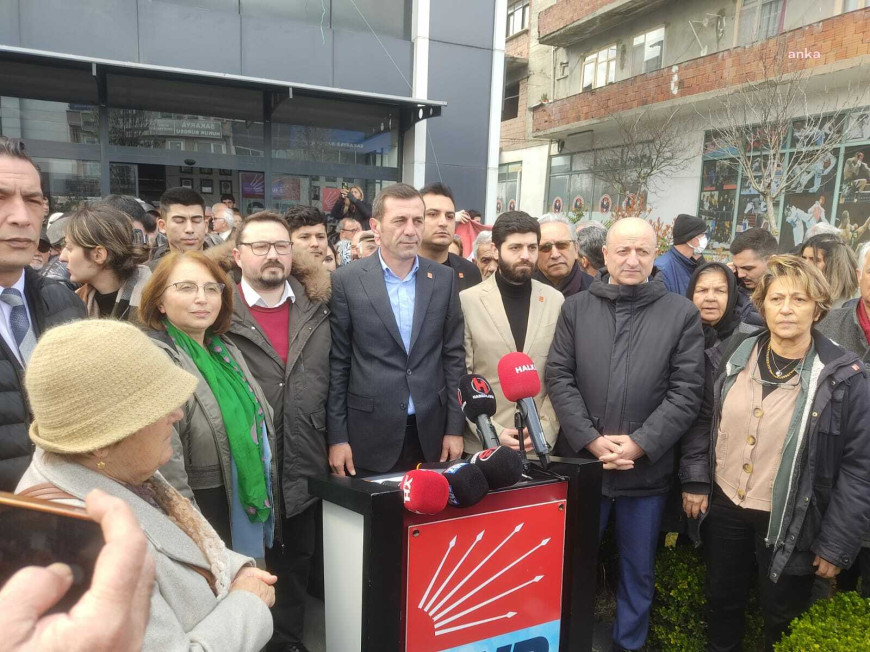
<point>514,573</point>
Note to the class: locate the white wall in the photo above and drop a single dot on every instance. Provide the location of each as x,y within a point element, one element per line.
<point>533,182</point>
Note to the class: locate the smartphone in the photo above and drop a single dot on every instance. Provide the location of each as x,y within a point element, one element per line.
<point>37,532</point>
<point>344,185</point>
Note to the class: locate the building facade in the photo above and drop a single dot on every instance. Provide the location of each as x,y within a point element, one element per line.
<point>587,63</point>
<point>278,102</point>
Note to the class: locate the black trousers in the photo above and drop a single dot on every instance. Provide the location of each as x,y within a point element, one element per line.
<point>847,580</point>
<point>733,542</point>
<point>409,458</point>
<point>291,560</point>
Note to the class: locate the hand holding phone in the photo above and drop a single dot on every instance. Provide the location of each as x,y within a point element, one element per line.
<point>110,616</point>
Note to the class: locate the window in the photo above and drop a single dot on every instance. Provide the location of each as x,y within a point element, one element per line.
<point>646,52</point>
<point>517,17</point>
<point>852,5</point>
<point>599,69</point>
<point>759,20</point>
<point>508,195</point>
<point>511,107</point>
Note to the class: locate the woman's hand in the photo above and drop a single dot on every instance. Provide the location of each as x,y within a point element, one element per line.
<point>256,581</point>
<point>694,504</point>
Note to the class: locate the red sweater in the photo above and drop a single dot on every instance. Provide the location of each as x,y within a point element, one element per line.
<point>275,322</point>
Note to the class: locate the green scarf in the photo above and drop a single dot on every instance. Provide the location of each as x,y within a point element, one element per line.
<point>242,414</point>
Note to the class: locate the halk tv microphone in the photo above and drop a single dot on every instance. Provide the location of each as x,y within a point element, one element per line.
<point>520,383</point>
<point>477,401</point>
<point>425,492</point>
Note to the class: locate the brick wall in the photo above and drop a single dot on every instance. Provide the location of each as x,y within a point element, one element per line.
<point>514,132</point>
<point>565,12</point>
<point>518,45</point>
<point>841,38</point>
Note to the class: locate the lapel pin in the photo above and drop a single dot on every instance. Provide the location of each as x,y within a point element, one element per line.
<point>461,274</point>
<point>541,299</point>
<point>429,275</point>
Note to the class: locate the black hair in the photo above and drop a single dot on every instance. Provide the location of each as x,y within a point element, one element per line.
<point>229,196</point>
<point>759,240</point>
<point>513,222</point>
<point>437,188</point>
<point>473,213</point>
<point>183,196</point>
<point>127,205</point>
<point>299,216</point>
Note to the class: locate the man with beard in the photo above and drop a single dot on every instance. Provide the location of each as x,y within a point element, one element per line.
<point>558,266</point>
<point>510,312</point>
<point>438,231</point>
<point>281,325</point>
<point>749,253</point>
<point>625,374</point>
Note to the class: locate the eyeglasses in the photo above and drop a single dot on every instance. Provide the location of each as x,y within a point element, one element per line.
<point>189,288</point>
<point>561,245</point>
<point>282,247</point>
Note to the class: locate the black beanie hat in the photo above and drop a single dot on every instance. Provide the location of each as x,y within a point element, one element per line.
<point>687,227</point>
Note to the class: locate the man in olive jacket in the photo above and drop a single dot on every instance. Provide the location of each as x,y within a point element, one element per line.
<point>30,304</point>
<point>281,325</point>
<point>625,375</point>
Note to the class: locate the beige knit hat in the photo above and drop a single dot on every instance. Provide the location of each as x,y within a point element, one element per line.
<point>92,383</point>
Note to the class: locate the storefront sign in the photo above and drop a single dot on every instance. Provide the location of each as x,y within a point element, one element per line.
<point>188,128</point>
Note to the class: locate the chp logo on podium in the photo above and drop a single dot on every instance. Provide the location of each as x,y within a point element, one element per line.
<point>489,582</point>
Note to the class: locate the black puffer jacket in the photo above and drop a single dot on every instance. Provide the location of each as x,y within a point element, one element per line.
<point>296,391</point>
<point>828,505</point>
<point>50,303</point>
<point>627,360</point>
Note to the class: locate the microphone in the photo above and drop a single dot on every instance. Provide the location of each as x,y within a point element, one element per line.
<point>501,466</point>
<point>520,382</point>
<point>425,492</point>
<point>477,401</point>
<point>468,484</point>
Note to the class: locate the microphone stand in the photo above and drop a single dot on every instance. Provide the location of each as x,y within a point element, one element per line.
<point>519,424</point>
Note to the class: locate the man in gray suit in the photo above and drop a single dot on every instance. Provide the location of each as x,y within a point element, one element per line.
<point>397,350</point>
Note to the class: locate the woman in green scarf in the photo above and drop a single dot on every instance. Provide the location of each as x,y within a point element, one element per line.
<point>225,444</point>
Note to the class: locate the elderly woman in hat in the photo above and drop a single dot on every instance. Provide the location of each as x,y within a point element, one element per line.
<point>113,433</point>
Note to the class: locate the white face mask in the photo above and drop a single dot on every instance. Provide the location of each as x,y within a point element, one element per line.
<point>702,245</point>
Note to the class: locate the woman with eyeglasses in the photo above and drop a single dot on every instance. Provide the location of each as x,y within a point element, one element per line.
<point>780,459</point>
<point>100,253</point>
<point>225,443</point>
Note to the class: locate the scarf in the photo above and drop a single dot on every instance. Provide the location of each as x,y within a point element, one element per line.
<point>242,415</point>
<point>721,330</point>
<point>864,320</point>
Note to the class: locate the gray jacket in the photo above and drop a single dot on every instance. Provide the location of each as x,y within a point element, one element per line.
<point>627,360</point>
<point>296,391</point>
<point>185,614</point>
<point>841,326</point>
<point>200,439</point>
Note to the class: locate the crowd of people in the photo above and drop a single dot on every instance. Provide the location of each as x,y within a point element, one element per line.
<point>218,363</point>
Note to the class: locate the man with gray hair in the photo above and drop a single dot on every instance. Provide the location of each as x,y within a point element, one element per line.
<point>591,236</point>
<point>222,221</point>
<point>484,254</point>
<point>849,327</point>
<point>558,266</point>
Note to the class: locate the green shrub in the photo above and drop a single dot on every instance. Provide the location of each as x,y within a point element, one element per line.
<point>841,624</point>
<point>677,621</point>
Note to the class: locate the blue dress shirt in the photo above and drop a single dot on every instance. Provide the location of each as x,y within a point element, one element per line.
<point>402,293</point>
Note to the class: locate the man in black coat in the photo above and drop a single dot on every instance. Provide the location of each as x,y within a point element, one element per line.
<point>438,230</point>
<point>625,376</point>
<point>558,260</point>
<point>397,350</point>
<point>29,303</point>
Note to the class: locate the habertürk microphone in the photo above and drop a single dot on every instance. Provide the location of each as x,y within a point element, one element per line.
<point>521,383</point>
<point>425,492</point>
<point>502,466</point>
<point>477,401</point>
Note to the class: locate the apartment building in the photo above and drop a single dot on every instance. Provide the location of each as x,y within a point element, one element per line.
<point>574,66</point>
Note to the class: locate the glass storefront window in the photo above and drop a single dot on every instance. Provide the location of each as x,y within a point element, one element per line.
<point>508,194</point>
<point>306,129</point>
<point>186,133</point>
<point>52,121</point>
<point>68,182</point>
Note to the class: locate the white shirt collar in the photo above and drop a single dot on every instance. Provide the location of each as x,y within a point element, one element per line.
<point>252,298</point>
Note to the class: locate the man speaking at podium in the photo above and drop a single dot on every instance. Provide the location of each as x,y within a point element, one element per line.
<point>511,312</point>
<point>625,375</point>
<point>397,352</point>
